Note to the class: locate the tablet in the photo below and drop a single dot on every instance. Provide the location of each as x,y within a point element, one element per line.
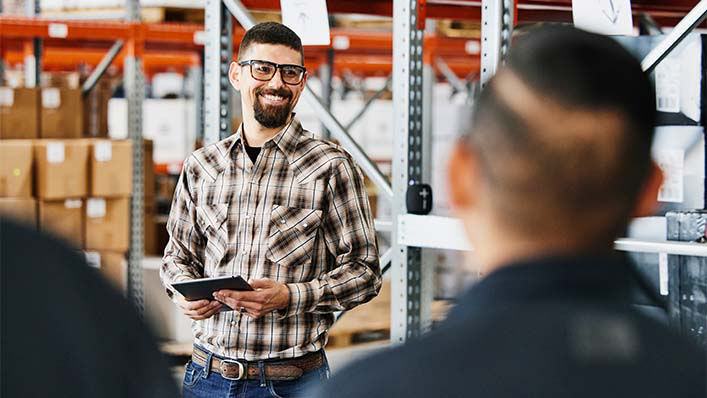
<point>204,288</point>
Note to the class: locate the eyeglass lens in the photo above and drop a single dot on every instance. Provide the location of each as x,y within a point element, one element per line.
<point>265,71</point>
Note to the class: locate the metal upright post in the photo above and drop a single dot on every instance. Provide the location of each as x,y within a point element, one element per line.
<point>33,59</point>
<point>496,30</point>
<point>196,79</point>
<point>406,314</point>
<point>135,92</point>
<point>218,54</point>
<point>326,72</point>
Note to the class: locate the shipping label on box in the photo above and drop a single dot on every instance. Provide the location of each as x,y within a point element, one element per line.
<point>7,96</point>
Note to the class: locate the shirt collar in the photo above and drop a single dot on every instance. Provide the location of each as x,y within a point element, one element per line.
<point>286,139</point>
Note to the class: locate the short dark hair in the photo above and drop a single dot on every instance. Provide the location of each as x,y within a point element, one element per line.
<point>271,33</point>
<point>582,178</point>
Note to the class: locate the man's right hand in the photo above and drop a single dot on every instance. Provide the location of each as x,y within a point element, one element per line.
<point>198,310</point>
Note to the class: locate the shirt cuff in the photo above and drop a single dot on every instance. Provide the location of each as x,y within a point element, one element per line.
<point>303,298</point>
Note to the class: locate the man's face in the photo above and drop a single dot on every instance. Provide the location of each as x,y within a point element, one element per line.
<point>269,102</point>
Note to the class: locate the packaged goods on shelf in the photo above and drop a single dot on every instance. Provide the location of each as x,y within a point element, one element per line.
<point>95,109</point>
<point>23,210</point>
<point>19,113</point>
<point>63,218</point>
<point>169,123</point>
<point>687,290</point>
<point>16,168</point>
<point>150,228</point>
<point>62,113</point>
<point>61,168</point>
<point>107,224</point>
<point>149,170</point>
<point>112,265</point>
<point>110,168</point>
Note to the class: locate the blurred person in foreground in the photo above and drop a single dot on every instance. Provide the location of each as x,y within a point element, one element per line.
<point>65,331</point>
<point>556,161</point>
<point>283,209</point>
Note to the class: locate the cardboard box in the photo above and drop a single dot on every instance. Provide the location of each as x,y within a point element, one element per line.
<point>20,209</point>
<point>114,267</point>
<point>61,168</point>
<point>95,109</point>
<point>63,218</point>
<point>16,168</point>
<point>108,224</point>
<point>19,113</point>
<point>62,113</point>
<point>150,228</point>
<point>149,173</point>
<point>161,314</point>
<point>110,168</point>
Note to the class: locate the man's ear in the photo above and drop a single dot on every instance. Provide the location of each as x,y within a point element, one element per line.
<point>647,203</point>
<point>234,76</point>
<point>463,178</point>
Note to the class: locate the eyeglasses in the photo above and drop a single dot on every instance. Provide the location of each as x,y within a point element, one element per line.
<point>264,71</point>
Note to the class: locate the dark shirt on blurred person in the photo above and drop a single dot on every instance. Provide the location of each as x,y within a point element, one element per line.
<point>65,331</point>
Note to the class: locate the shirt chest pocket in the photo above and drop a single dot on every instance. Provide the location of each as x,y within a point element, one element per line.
<point>211,219</point>
<point>293,234</point>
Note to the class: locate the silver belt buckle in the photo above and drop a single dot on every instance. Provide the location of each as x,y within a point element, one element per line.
<point>241,369</point>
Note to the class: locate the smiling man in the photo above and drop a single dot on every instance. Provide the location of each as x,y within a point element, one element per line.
<point>284,210</point>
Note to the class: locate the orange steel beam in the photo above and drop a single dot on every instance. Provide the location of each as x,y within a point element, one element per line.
<point>66,58</point>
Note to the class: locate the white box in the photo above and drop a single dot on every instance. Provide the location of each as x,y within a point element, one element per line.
<point>163,316</point>
<point>170,123</point>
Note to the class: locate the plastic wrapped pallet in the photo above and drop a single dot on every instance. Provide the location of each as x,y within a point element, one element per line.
<point>688,275</point>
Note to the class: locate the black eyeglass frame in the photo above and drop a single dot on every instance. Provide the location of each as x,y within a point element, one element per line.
<point>278,67</point>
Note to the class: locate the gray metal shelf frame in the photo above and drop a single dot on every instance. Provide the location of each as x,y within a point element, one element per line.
<point>411,84</point>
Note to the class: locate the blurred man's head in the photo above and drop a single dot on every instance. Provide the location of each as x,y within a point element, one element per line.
<point>559,146</point>
<point>269,74</point>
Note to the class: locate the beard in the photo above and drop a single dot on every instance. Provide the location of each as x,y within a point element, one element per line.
<point>272,116</point>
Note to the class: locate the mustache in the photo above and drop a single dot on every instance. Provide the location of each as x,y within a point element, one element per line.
<point>284,93</point>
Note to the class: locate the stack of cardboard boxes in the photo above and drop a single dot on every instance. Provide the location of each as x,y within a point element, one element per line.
<point>54,179</point>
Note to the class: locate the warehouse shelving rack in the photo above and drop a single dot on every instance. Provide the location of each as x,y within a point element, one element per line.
<point>417,57</point>
<point>411,282</point>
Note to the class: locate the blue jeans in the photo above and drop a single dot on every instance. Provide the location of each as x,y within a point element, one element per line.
<point>200,382</point>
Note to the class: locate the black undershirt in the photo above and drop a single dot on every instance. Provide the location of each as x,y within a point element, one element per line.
<point>252,152</point>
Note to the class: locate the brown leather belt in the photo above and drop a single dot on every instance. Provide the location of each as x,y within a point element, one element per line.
<point>287,369</point>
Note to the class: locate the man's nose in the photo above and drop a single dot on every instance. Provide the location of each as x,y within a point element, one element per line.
<point>276,81</point>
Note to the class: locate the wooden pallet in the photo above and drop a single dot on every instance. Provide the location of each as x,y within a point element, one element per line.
<point>371,321</point>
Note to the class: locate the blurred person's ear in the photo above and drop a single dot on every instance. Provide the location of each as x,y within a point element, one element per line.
<point>647,202</point>
<point>463,178</point>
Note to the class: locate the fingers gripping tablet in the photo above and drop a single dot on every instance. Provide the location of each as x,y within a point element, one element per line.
<point>203,289</point>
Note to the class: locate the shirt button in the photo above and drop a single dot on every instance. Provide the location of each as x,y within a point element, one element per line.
<point>244,252</point>
<point>304,225</point>
<point>282,221</point>
<point>233,322</point>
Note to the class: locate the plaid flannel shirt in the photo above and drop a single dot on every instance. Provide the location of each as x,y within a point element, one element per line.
<point>299,215</point>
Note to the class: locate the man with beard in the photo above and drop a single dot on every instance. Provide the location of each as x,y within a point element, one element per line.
<point>284,210</point>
